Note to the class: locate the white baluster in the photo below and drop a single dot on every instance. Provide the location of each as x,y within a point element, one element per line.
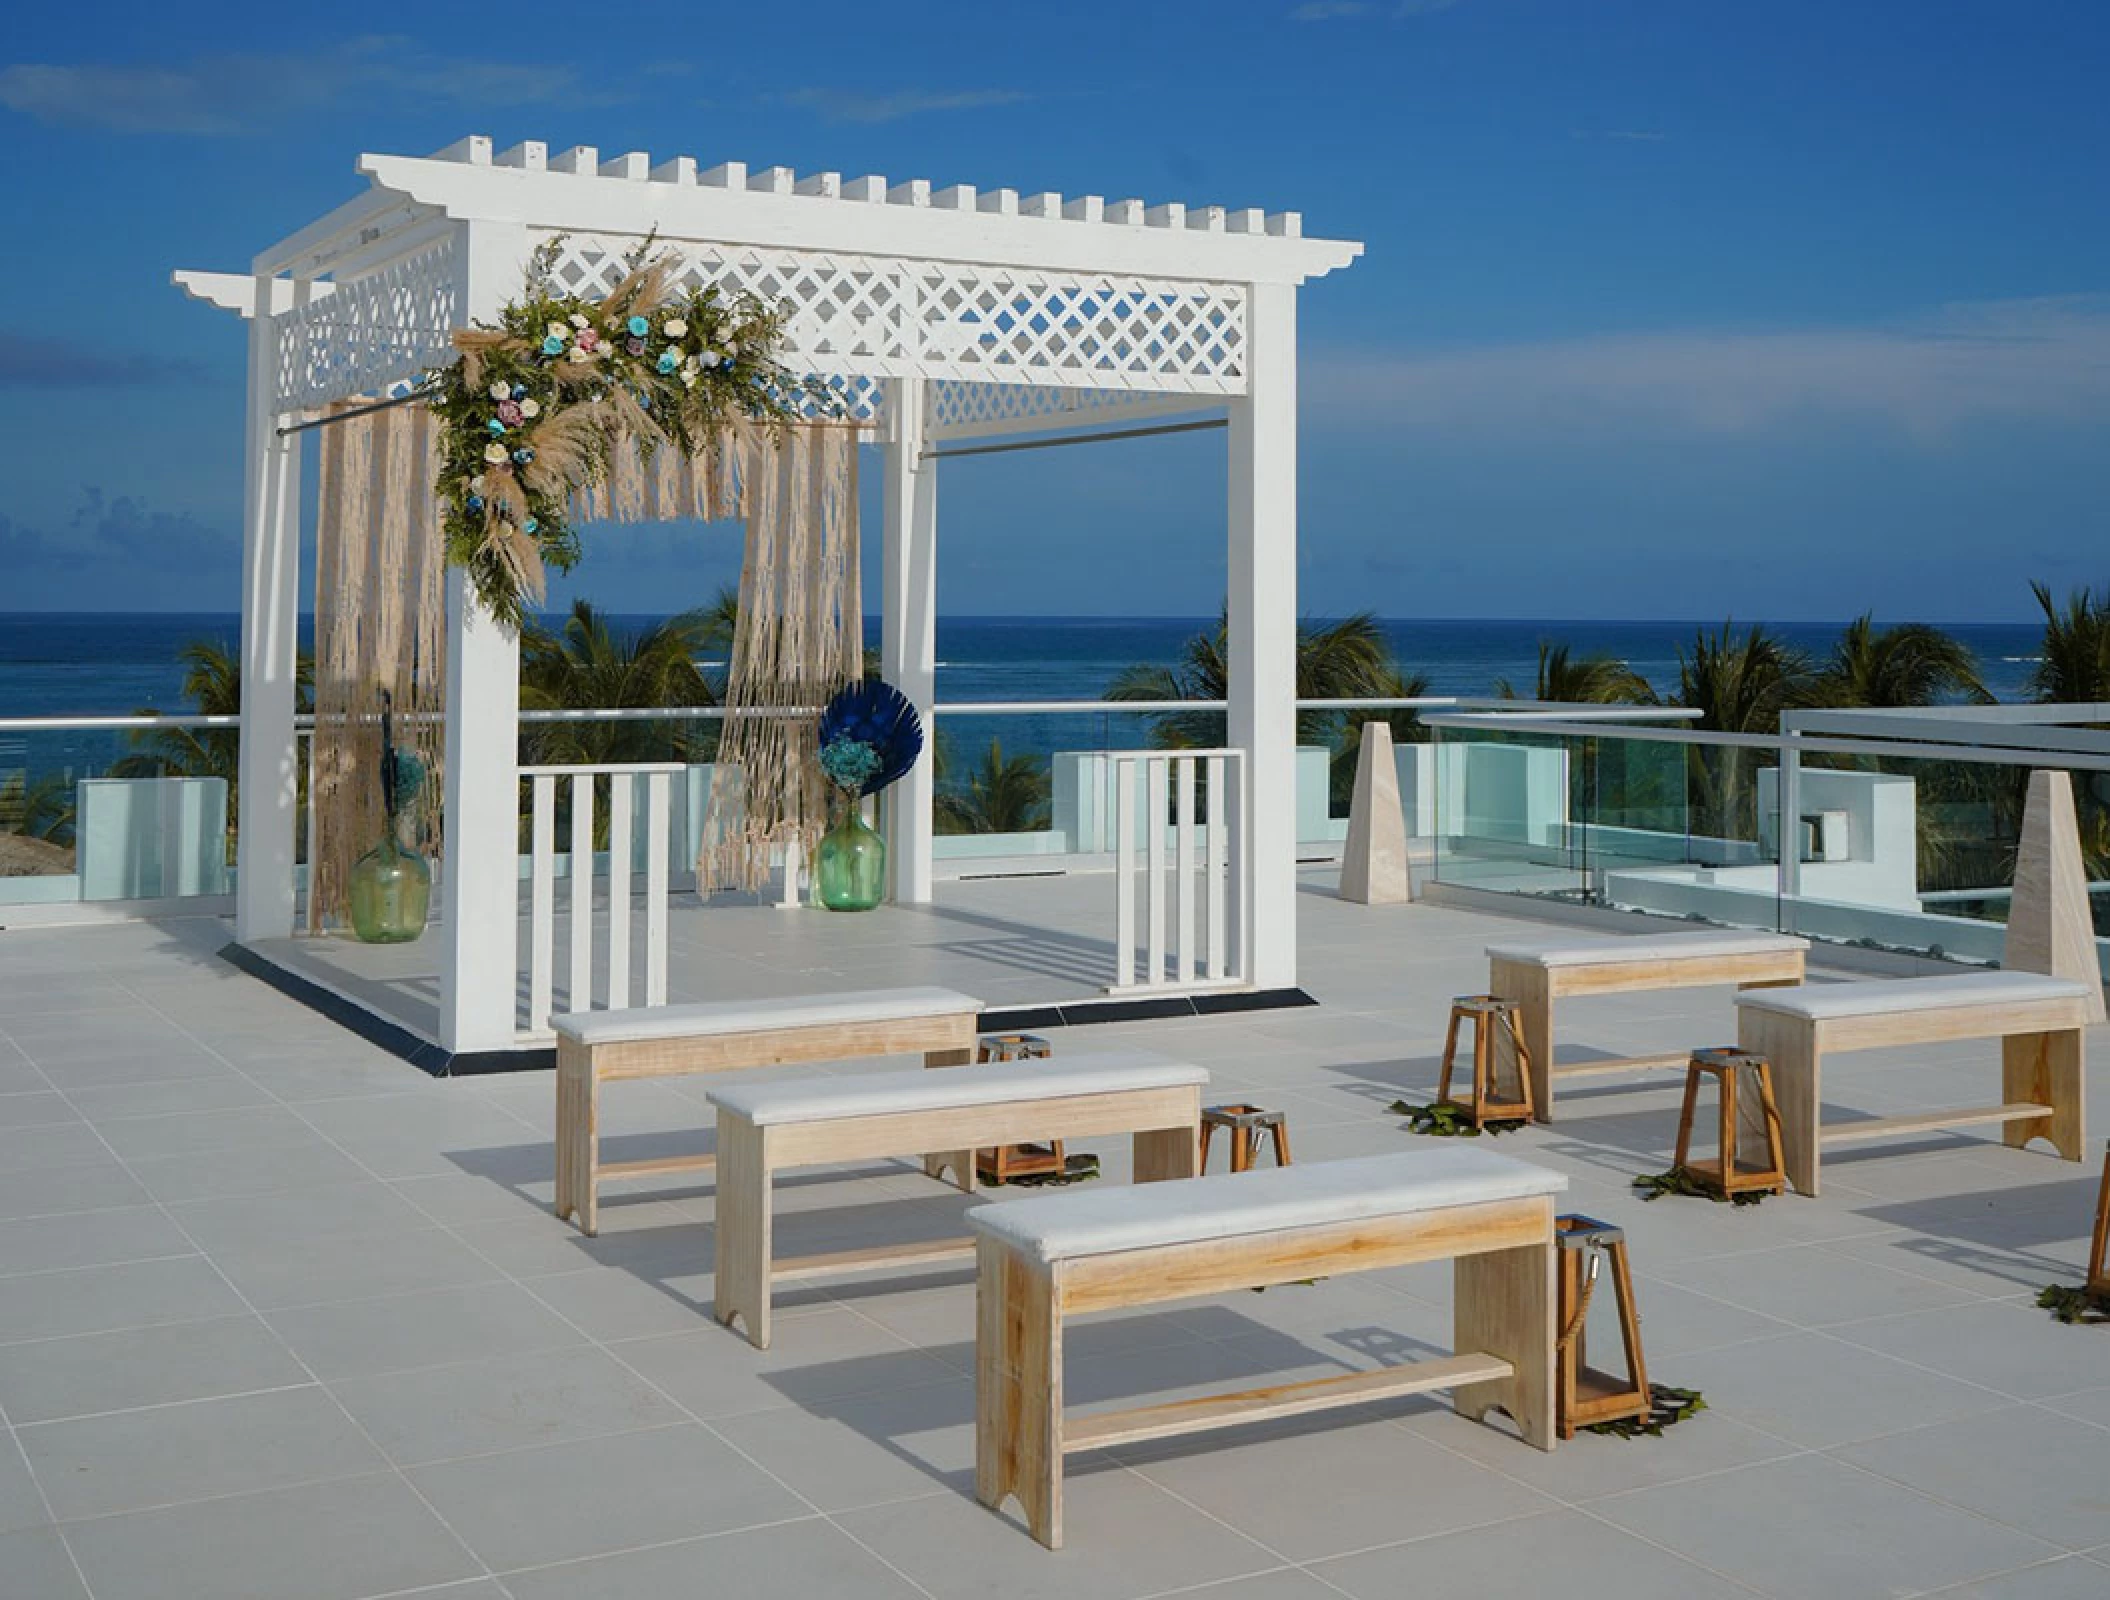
<point>580,902</point>
<point>542,908</point>
<point>1124,873</point>
<point>621,786</point>
<point>1155,800</point>
<point>659,792</point>
<point>1184,969</point>
<point>1213,855</point>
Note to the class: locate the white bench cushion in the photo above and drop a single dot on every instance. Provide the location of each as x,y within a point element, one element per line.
<point>1883,996</point>
<point>1589,950</point>
<point>713,1017</point>
<point>877,1094</point>
<point>1055,1227</point>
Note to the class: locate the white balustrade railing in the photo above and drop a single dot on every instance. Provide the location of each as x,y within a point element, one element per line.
<point>1174,816</point>
<point>631,927</point>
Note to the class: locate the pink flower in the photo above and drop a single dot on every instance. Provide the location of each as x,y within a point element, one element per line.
<point>510,414</point>
<point>588,339</point>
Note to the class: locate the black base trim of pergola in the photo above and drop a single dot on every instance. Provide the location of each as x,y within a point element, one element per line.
<point>401,1042</point>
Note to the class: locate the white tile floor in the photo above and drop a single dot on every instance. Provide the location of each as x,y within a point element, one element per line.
<point>282,1318</point>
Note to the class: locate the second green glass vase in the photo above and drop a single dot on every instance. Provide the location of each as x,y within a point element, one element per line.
<point>852,864</point>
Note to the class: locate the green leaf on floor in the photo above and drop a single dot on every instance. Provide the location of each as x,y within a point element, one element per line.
<point>1076,1169</point>
<point>2073,1303</point>
<point>1448,1119</point>
<point>1667,1408</point>
<point>1655,1185</point>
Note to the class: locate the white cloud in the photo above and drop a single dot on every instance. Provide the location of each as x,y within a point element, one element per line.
<point>847,105</point>
<point>236,93</point>
<point>2043,358</point>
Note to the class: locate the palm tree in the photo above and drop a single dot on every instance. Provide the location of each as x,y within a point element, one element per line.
<point>1596,680</point>
<point>2074,665</point>
<point>41,810</point>
<point>1911,664</point>
<point>587,665</point>
<point>998,796</point>
<point>1738,685</point>
<point>1346,660</point>
<point>212,682</point>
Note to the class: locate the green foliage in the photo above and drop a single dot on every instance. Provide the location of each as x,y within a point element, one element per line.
<point>2076,655</point>
<point>585,664</point>
<point>1909,664</point>
<point>1667,1408</point>
<point>1655,1185</point>
<point>534,405</point>
<point>1345,660</point>
<point>1447,1119</point>
<point>39,810</point>
<point>1599,680</point>
<point>999,795</point>
<point>2071,1304</point>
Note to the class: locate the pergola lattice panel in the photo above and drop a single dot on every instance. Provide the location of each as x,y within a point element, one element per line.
<point>372,332</point>
<point>885,317</point>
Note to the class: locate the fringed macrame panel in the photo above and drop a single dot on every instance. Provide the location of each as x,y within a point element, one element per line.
<point>666,486</point>
<point>380,623</point>
<point>800,638</point>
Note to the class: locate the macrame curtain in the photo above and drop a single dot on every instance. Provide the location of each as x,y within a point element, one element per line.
<point>380,623</point>
<point>800,638</point>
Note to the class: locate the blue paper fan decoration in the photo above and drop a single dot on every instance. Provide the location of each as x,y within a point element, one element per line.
<point>880,716</point>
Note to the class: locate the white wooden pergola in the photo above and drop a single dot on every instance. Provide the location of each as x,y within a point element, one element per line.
<point>941,313</point>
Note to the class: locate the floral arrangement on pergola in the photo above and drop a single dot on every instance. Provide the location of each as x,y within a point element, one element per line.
<point>532,409</point>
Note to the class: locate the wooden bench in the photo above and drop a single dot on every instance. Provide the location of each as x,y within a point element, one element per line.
<point>2039,1021</point>
<point>1042,1260</point>
<point>767,1128</point>
<point>597,1047</point>
<point>1537,972</point>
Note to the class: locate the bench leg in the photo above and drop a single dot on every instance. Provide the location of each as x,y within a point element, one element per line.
<point>1018,1389</point>
<point>961,1161</point>
<point>1504,1304</point>
<point>1163,1153</point>
<point>1532,989</point>
<point>744,1230</point>
<point>578,1136</point>
<point>1790,1047</point>
<point>2045,1068</point>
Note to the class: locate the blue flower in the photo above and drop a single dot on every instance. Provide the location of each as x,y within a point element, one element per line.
<point>553,346</point>
<point>668,361</point>
<point>523,456</point>
<point>496,427</point>
<point>638,327</point>
<point>519,391</point>
<point>476,502</point>
<point>530,525</point>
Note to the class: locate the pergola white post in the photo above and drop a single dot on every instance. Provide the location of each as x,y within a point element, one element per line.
<point>269,761</point>
<point>480,879</point>
<point>908,651</point>
<point>1262,600</point>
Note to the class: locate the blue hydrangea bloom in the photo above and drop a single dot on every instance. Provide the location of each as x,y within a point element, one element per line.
<point>553,346</point>
<point>668,361</point>
<point>638,327</point>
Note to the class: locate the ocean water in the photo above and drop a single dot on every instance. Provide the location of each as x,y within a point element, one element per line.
<point>60,664</point>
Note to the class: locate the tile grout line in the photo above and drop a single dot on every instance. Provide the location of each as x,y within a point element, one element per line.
<point>291,1353</point>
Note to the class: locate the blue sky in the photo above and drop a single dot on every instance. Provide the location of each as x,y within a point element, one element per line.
<point>1670,308</point>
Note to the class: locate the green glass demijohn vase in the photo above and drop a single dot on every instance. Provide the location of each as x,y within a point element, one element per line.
<point>390,887</point>
<point>869,735</point>
<point>851,863</point>
<point>390,893</point>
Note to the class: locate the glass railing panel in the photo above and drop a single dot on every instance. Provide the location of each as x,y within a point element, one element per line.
<point>1500,807</point>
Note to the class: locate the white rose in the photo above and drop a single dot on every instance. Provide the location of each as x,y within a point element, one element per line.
<point>675,328</point>
<point>476,484</point>
<point>531,408</point>
<point>581,355</point>
<point>558,330</point>
<point>501,391</point>
<point>711,358</point>
<point>578,319</point>
<point>494,452</point>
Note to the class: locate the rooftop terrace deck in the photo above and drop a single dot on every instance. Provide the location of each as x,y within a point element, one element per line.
<point>283,1317</point>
